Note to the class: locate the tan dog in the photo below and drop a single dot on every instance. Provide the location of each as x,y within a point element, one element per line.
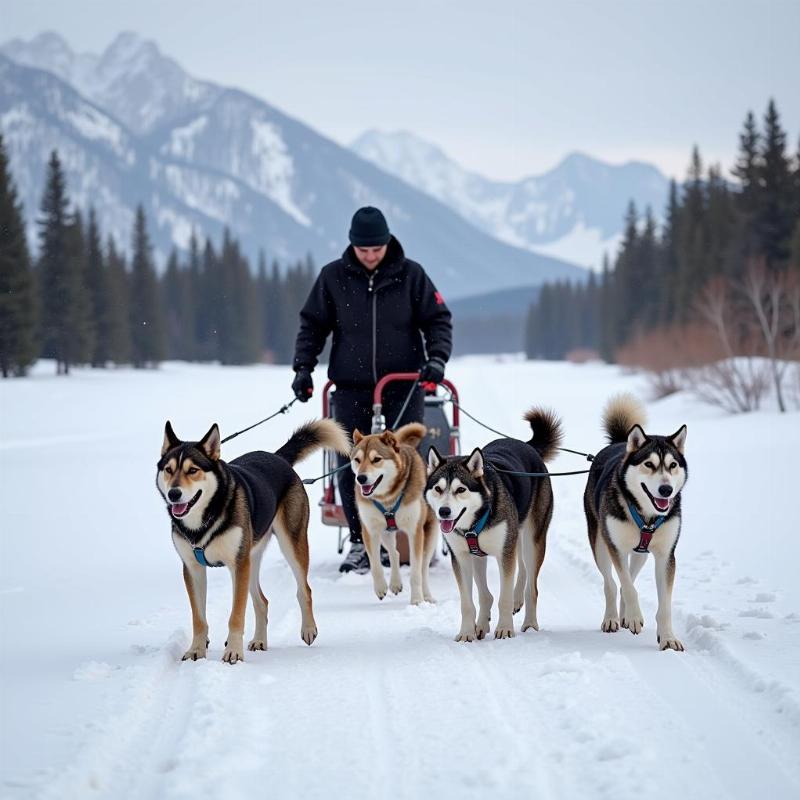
<point>390,474</point>
<point>224,515</point>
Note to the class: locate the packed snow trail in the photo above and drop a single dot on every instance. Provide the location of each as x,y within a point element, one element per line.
<point>385,703</point>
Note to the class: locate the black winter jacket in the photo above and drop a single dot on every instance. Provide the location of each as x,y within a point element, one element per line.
<point>378,319</point>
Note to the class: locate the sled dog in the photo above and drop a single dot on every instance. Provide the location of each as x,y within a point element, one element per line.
<point>484,511</point>
<point>633,507</point>
<point>223,514</point>
<point>390,474</point>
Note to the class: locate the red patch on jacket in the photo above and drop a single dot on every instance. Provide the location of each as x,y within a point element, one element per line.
<point>439,299</point>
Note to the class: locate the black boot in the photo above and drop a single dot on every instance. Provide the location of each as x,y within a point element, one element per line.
<point>356,560</point>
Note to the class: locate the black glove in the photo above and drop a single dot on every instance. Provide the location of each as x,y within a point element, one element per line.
<point>432,372</point>
<point>302,385</point>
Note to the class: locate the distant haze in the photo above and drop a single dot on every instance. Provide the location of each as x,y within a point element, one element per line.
<point>506,91</point>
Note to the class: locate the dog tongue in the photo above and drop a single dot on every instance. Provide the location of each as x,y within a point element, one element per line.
<point>661,505</point>
<point>447,525</point>
<point>366,490</point>
<point>179,509</point>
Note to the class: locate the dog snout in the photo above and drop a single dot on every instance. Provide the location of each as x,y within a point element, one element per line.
<point>445,512</point>
<point>665,490</point>
<point>361,478</point>
<point>174,494</point>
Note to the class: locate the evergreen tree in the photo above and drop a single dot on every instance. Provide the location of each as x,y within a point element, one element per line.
<point>54,279</point>
<point>721,227</point>
<point>118,310</point>
<point>173,301</point>
<point>80,333</point>
<point>748,170</point>
<point>607,305</point>
<point>97,280</point>
<point>669,256</point>
<point>147,326</point>
<point>692,246</point>
<point>774,217</point>
<point>626,287</point>
<point>17,292</point>
<point>209,299</point>
<point>192,290</point>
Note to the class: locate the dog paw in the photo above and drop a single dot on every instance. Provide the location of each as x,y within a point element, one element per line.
<point>530,624</point>
<point>396,587</point>
<point>670,643</point>
<point>257,644</point>
<point>466,635</point>
<point>610,625</point>
<point>429,598</point>
<point>504,632</point>
<point>193,653</point>
<point>381,589</point>
<point>233,653</point>
<point>482,628</point>
<point>308,633</point>
<point>633,622</point>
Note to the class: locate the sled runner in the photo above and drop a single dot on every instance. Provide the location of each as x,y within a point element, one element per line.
<point>443,433</point>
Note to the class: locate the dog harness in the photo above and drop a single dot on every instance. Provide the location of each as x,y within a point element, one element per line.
<point>645,531</point>
<point>388,514</point>
<point>471,535</point>
<point>200,555</point>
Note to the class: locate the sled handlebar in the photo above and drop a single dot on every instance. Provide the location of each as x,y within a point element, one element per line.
<point>377,395</point>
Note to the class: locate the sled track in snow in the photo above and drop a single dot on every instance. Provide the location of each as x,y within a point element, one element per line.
<point>387,705</point>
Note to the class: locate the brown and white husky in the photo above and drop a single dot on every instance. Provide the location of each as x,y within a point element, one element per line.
<point>223,514</point>
<point>390,474</point>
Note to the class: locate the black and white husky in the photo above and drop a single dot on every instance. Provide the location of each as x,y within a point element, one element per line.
<point>485,511</point>
<point>633,507</point>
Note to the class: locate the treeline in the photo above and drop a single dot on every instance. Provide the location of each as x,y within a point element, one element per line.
<point>714,228</point>
<point>81,302</point>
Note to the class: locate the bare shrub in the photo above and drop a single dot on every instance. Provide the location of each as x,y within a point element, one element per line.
<point>738,381</point>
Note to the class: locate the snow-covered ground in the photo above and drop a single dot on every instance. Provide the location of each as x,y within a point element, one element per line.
<point>95,702</point>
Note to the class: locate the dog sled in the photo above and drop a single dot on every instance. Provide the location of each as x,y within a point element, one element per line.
<point>443,433</point>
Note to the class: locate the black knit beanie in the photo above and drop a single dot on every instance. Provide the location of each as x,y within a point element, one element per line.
<point>369,228</point>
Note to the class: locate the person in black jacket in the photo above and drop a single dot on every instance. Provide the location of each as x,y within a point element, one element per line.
<point>385,316</point>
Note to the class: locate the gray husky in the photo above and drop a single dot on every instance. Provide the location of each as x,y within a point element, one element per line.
<point>485,511</point>
<point>633,507</point>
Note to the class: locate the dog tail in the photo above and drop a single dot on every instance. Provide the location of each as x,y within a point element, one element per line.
<point>547,433</point>
<point>621,413</point>
<point>412,433</point>
<point>313,436</point>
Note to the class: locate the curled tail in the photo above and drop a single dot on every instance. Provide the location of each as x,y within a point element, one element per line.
<point>621,413</point>
<point>412,433</point>
<point>313,436</point>
<point>547,433</point>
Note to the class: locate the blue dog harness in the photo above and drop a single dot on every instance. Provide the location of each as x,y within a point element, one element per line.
<point>389,514</point>
<point>200,555</point>
<point>645,531</point>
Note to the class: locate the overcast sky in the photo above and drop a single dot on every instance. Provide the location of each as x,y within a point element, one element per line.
<point>506,91</point>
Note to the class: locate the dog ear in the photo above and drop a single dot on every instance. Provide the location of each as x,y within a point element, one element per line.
<point>357,436</point>
<point>679,438</point>
<point>434,459</point>
<point>170,439</point>
<point>636,438</point>
<point>210,443</point>
<point>388,438</point>
<point>475,463</point>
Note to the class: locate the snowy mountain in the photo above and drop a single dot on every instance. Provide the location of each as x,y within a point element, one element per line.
<point>132,127</point>
<point>574,211</point>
